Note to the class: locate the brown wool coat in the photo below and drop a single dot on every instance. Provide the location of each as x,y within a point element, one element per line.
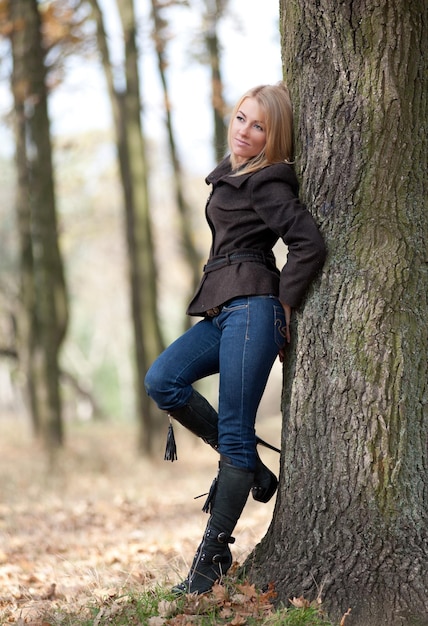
<point>252,212</point>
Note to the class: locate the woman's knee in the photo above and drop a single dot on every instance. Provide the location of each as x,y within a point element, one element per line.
<point>163,389</point>
<point>150,382</point>
<point>156,382</point>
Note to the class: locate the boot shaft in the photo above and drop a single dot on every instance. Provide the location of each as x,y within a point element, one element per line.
<point>233,485</point>
<point>200,418</point>
<point>213,557</point>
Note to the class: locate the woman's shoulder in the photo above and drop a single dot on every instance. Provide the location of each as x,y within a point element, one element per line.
<point>275,170</point>
<point>282,172</point>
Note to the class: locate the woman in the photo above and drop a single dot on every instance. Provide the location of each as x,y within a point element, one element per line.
<point>246,305</point>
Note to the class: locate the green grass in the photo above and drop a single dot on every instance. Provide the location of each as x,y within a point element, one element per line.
<point>231,605</point>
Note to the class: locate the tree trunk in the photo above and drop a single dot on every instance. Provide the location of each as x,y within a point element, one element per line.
<point>140,242</point>
<point>191,253</point>
<point>126,106</point>
<point>215,10</point>
<point>351,518</point>
<point>43,321</point>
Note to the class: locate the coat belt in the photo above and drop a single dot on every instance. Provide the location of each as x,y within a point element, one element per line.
<point>254,256</point>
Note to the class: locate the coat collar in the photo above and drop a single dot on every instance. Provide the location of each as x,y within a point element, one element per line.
<point>223,171</point>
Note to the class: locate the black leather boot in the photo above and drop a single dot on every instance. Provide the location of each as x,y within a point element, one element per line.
<point>201,419</point>
<point>213,557</point>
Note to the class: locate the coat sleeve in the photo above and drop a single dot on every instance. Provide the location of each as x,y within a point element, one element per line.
<point>274,197</point>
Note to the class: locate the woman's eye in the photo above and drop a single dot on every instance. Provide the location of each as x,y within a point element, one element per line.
<point>240,118</point>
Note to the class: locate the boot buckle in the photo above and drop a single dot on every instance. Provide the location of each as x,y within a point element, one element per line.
<point>225,538</point>
<point>220,558</point>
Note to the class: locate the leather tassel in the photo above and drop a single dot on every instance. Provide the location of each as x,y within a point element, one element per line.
<point>209,502</point>
<point>171,447</point>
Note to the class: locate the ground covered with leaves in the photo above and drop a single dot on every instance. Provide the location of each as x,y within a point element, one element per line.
<point>88,535</point>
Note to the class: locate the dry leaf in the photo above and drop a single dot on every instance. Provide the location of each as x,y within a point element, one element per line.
<point>105,594</point>
<point>166,608</point>
<point>182,620</point>
<point>156,621</point>
<point>300,603</point>
<point>220,593</point>
<point>238,620</point>
<point>248,590</point>
<point>226,612</point>
<point>269,595</point>
<point>239,599</point>
<point>51,593</point>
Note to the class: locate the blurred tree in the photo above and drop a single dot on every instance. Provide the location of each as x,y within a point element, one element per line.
<point>351,518</point>
<point>63,33</point>
<point>42,319</point>
<point>160,37</point>
<point>215,10</point>
<point>126,104</point>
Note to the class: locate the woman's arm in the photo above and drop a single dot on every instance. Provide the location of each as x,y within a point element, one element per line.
<point>287,311</point>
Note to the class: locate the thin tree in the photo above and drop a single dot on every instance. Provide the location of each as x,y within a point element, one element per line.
<point>160,37</point>
<point>351,518</point>
<point>126,105</point>
<point>215,10</point>
<point>42,319</point>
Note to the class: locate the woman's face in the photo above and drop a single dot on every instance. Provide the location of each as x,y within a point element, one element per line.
<point>248,131</point>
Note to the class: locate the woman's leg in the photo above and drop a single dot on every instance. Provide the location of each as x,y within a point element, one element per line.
<point>213,557</point>
<point>243,375</point>
<point>191,357</point>
<point>252,332</point>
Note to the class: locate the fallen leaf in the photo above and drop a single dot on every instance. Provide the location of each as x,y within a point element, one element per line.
<point>248,590</point>
<point>238,620</point>
<point>51,593</point>
<point>270,594</point>
<point>156,621</point>
<point>105,594</point>
<point>239,599</point>
<point>226,612</point>
<point>220,593</point>
<point>166,608</point>
<point>300,603</point>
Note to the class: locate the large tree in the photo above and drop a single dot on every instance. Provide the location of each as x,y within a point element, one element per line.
<point>351,518</point>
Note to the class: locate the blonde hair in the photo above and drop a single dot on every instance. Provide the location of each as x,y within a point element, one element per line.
<point>276,104</point>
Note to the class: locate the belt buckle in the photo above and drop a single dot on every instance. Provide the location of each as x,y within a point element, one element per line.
<point>213,312</point>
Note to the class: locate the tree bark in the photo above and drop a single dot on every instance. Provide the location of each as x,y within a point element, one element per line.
<point>350,522</point>
<point>43,320</point>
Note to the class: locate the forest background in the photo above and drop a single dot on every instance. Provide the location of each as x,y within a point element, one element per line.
<point>92,515</point>
<point>98,348</point>
<point>76,530</point>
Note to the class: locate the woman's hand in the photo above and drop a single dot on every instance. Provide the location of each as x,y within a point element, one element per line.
<point>287,311</point>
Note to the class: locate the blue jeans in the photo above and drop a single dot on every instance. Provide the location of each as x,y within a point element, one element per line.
<point>240,344</point>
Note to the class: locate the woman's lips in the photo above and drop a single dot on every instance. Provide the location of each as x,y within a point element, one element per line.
<point>240,142</point>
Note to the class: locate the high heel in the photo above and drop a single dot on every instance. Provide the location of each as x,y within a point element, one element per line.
<point>265,481</point>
